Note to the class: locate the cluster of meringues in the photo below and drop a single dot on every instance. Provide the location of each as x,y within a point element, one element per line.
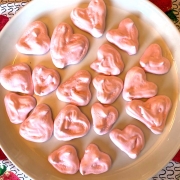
<point>67,48</point>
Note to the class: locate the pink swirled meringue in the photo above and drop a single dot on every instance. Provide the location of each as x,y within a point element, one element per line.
<point>91,19</point>
<point>125,36</point>
<point>108,88</point>
<point>70,123</point>
<point>34,40</point>
<point>17,78</point>
<point>152,60</point>
<point>130,140</point>
<point>45,80</point>
<point>76,90</point>
<point>104,117</point>
<point>65,159</point>
<point>153,113</point>
<point>94,161</point>
<point>136,85</point>
<point>38,127</point>
<point>18,107</point>
<point>67,48</point>
<point>109,61</point>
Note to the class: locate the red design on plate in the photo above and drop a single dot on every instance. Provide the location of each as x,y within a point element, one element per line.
<point>177,157</point>
<point>2,155</point>
<point>164,5</point>
<point>3,21</point>
<point>8,175</point>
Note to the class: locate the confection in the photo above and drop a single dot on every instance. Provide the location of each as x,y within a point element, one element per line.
<point>94,161</point>
<point>108,88</point>
<point>130,140</point>
<point>34,40</point>
<point>17,78</point>
<point>18,107</point>
<point>75,90</point>
<point>153,112</point>
<point>67,48</point>
<point>125,36</point>
<point>153,61</point>
<point>104,117</point>
<point>70,123</point>
<point>45,80</point>
<point>91,19</point>
<point>65,159</point>
<point>38,127</point>
<point>109,61</point>
<point>136,85</point>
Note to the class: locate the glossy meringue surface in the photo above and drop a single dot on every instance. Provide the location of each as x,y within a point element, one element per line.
<point>70,123</point>
<point>75,90</point>
<point>91,19</point>
<point>108,88</point>
<point>136,85</point>
<point>45,80</point>
<point>38,127</point>
<point>94,161</point>
<point>18,106</point>
<point>153,112</point>
<point>131,140</point>
<point>65,159</point>
<point>104,117</point>
<point>17,78</point>
<point>109,61</point>
<point>66,47</point>
<point>125,36</point>
<point>153,60</point>
<point>35,39</point>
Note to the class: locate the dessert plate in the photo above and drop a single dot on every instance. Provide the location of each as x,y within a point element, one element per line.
<point>154,27</point>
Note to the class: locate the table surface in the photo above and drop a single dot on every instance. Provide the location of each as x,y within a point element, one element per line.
<point>170,171</point>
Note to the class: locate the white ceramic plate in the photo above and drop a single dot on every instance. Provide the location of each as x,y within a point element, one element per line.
<point>153,26</point>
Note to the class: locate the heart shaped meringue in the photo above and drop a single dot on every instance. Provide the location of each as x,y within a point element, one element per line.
<point>130,140</point>
<point>18,107</point>
<point>125,37</point>
<point>152,60</point>
<point>109,61</point>
<point>65,159</point>
<point>70,123</point>
<point>94,161</point>
<point>153,113</point>
<point>104,116</point>
<point>91,19</point>
<point>136,85</point>
<point>38,127</point>
<point>108,88</point>
<point>17,78</point>
<point>34,40</point>
<point>67,48</point>
<point>76,90</point>
<point>45,80</point>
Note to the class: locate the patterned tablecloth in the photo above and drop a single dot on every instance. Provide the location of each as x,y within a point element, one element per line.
<point>170,172</point>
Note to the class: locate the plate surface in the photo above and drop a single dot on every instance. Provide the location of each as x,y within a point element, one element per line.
<point>154,27</point>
